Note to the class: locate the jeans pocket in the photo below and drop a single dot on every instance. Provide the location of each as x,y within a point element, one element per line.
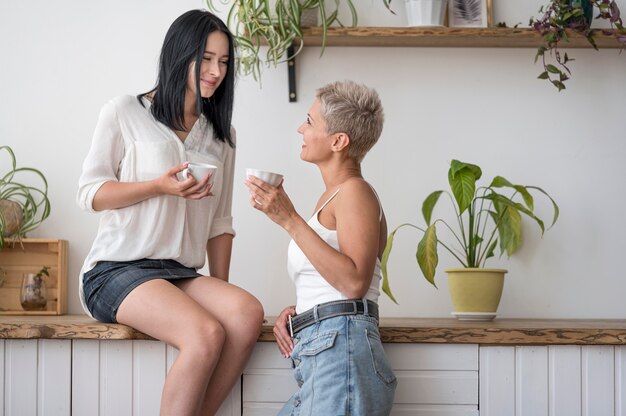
<point>379,359</point>
<point>317,344</point>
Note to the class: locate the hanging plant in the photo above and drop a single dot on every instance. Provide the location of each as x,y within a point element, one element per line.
<point>278,25</point>
<point>561,16</point>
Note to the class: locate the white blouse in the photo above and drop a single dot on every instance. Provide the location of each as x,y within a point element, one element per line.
<point>129,145</point>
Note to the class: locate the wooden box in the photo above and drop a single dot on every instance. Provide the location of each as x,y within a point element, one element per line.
<point>29,257</point>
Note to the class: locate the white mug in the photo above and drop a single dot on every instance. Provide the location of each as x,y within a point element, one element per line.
<point>273,179</point>
<point>199,170</point>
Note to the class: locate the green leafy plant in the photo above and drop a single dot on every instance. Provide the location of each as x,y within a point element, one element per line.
<point>278,25</point>
<point>22,207</point>
<point>485,217</point>
<point>562,16</point>
<point>43,272</point>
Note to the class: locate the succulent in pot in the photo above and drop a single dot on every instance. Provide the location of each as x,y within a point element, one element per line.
<point>486,218</point>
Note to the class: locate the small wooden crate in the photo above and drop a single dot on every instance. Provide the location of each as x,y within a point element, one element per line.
<point>29,257</point>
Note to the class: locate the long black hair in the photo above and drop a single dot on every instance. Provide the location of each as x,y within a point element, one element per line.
<point>185,43</point>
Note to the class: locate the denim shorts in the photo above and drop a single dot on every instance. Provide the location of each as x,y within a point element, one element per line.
<point>341,369</point>
<point>109,282</point>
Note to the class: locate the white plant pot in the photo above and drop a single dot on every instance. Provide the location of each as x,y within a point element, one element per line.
<point>425,12</point>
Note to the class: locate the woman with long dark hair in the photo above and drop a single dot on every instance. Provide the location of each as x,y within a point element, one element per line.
<point>158,227</point>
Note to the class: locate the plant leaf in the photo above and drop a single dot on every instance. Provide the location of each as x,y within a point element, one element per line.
<point>500,182</point>
<point>491,250</point>
<point>463,185</point>
<point>429,204</point>
<point>383,263</point>
<point>427,254</point>
<point>554,205</point>
<point>509,228</point>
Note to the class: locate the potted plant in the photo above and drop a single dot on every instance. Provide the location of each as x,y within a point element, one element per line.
<point>278,25</point>
<point>561,17</point>
<point>22,207</point>
<point>33,294</point>
<point>486,219</point>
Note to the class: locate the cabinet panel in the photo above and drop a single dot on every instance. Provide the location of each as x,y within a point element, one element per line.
<point>433,356</point>
<point>85,377</point>
<point>268,385</point>
<point>261,409</point>
<point>598,381</point>
<point>149,369</point>
<point>437,387</point>
<point>497,381</point>
<point>267,355</point>
<point>54,379</point>
<point>620,380</point>
<point>116,375</point>
<point>2,391</point>
<point>565,380</point>
<point>531,381</point>
<point>20,388</point>
<point>434,410</point>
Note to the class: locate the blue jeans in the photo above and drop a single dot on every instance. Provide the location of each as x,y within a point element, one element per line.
<point>342,370</point>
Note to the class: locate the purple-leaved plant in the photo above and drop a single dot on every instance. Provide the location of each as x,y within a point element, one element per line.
<point>558,17</point>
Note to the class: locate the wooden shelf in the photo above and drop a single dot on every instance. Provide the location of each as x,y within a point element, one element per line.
<point>29,256</point>
<point>446,37</point>
<point>392,330</point>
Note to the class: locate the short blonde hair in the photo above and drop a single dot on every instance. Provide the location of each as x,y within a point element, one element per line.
<point>354,109</point>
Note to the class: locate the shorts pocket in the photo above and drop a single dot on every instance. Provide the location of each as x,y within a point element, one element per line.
<point>379,359</point>
<point>318,343</point>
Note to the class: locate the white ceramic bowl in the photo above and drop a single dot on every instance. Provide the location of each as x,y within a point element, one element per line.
<point>271,178</point>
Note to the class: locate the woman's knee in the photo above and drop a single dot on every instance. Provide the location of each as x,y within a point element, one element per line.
<point>247,316</point>
<point>204,339</point>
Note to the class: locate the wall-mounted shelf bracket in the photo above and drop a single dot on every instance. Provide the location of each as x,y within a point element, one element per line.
<point>291,73</point>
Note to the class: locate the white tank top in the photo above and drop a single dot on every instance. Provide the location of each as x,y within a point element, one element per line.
<point>311,287</point>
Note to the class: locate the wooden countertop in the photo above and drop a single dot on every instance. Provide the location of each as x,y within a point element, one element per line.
<point>392,330</point>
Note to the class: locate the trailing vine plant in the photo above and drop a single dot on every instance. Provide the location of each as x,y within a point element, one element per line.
<point>561,16</point>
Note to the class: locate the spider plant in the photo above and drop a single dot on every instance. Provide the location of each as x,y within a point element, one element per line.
<point>277,24</point>
<point>23,207</point>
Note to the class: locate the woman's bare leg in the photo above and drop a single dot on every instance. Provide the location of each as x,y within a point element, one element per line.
<point>241,316</point>
<point>163,311</point>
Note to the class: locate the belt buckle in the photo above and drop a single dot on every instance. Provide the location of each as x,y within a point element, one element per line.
<point>355,306</point>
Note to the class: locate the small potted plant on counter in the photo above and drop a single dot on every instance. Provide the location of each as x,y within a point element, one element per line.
<point>486,219</point>
<point>575,16</point>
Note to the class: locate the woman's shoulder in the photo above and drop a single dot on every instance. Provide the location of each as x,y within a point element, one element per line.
<point>357,185</point>
<point>124,107</point>
<point>125,101</point>
<point>357,190</point>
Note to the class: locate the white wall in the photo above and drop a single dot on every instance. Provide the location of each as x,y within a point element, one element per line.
<point>60,61</point>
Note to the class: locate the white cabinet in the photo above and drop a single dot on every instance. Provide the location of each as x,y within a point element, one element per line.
<point>556,380</point>
<point>87,378</point>
<point>433,380</point>
<point>46,377</point>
